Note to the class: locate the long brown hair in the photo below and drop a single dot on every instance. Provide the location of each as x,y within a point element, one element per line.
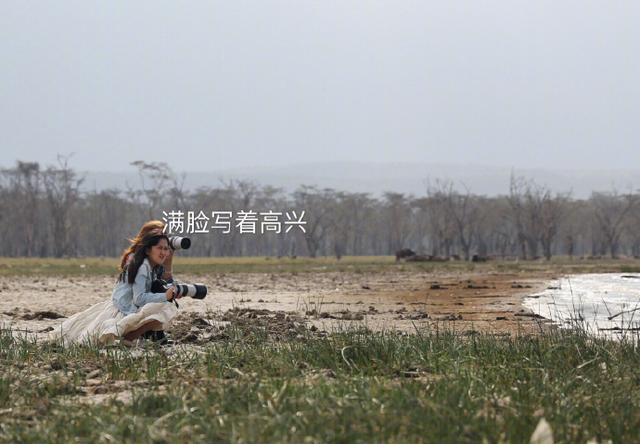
<point>151,239</point>
<point>157,226</point>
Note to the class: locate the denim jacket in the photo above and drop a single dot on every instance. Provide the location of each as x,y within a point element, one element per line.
<point>128,298</point>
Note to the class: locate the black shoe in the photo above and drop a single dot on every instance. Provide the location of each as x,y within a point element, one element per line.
<point>156,336</point>
<point>160,337</point>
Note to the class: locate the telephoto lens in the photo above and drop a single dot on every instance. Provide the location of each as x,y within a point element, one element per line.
<point>179,243</point>
<point>196,291</point>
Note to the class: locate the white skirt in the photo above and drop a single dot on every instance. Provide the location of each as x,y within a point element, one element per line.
<point>103,323</point>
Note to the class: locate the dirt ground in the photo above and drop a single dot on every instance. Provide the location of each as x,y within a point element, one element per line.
<point>287,303</point>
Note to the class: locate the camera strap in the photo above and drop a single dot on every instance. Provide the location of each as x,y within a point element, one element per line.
<point>173,299</point>
<point>160,273</point>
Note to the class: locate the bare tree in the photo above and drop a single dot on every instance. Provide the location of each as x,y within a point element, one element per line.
<point>420,209</point>
<point>43,212</point>
<point>25,182</point>
<point>496,234</point>
<point>552,209</point>
<point>62,188</point>
<point>610,211</point>
<point>397,213</point>
<point>317,207</point>
<point>340,224</point>
<point>107,219</point>
<point>155,178</point>
<point>362,209</point>
<point>461,212</point>
<point>536,214</point>
<point>517,213</point>
<point>634,233</point>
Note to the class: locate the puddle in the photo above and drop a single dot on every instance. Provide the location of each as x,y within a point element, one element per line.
<point>605,304</point>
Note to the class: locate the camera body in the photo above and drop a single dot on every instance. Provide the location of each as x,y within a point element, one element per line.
<point>196,291</point>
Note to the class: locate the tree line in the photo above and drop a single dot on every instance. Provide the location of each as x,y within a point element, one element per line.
<point>44,211</point>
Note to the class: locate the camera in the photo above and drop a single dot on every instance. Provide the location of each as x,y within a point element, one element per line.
<point>179,243</point>
<point>196,291</point>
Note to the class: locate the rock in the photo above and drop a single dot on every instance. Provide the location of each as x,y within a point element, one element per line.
<point>529,315</point>
<point>201,323</point>
<point>542,434</point>
<point>477,287</point>
<point>416,315</point>
<point>93,374</point>
<point>450,317</point>
<point>40,315</point>
<point>351,316</point>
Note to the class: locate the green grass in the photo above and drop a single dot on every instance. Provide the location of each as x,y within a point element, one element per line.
<point>350,386</point>
<point>354,264</point>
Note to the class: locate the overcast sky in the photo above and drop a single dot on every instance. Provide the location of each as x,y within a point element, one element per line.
<point>216,85</point>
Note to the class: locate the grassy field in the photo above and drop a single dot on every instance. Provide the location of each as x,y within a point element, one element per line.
<point>351,386</point>
<point>353,264</point>
<point>247,385</point>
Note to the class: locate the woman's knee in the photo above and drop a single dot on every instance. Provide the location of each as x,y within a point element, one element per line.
<point>156,325</point>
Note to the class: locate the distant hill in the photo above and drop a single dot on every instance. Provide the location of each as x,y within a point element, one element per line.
<point>376,178</point>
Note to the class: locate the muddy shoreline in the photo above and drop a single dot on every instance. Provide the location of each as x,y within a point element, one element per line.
<point>464,301</point>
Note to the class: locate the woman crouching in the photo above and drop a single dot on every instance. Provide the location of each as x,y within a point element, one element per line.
<point>133,309</point>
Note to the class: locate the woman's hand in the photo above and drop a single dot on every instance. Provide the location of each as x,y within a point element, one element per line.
<point>168,262</point>
<point>171,292</point>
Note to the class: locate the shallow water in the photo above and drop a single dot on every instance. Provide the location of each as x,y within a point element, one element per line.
<point>602,303</point>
